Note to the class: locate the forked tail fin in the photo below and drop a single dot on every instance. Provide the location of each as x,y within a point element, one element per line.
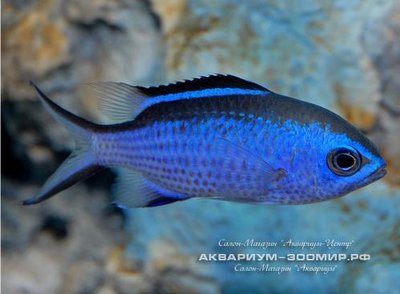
<point>80,165</point>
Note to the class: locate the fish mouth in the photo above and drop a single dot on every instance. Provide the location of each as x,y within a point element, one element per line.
<point>376,175</point>
<point>379,173</point>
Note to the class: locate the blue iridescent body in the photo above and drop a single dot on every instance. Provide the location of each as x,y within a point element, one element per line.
<point>218,137</point>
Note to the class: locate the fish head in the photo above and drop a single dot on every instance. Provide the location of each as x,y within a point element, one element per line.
<point>347,160</point>
<point>351,166</point>
<point>325,162</point>
<point>323,154</point>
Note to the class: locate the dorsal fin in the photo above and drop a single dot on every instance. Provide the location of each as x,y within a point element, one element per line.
<point>204,82</point>
<point>118,102</point>
<point>121,102</point>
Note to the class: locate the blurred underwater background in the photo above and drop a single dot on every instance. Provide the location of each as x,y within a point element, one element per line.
<point>343,55</point>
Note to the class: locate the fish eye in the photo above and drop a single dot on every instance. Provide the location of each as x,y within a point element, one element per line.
<point>344,161</point>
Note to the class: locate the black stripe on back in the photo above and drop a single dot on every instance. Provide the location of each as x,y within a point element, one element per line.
<point>201,83</point>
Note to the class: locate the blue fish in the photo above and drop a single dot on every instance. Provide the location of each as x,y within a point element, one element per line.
<point>215,137</point>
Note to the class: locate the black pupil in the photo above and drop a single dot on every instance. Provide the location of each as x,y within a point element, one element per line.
<point>345,161</point>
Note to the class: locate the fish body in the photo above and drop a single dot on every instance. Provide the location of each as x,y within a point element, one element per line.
<point>217,137</point>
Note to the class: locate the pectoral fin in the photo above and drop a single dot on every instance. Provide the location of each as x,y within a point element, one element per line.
<point>237,152</point>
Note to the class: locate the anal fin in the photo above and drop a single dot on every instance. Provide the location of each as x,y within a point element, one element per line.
<point>132,189</point>
<point>163,200</point>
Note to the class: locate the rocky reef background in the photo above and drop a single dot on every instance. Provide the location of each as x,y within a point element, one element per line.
<point>343,55</point>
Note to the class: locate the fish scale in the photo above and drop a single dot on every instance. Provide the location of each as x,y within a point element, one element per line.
<point>192,172</point>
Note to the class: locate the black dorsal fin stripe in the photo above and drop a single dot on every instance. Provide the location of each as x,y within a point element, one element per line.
<point>205,82</point>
